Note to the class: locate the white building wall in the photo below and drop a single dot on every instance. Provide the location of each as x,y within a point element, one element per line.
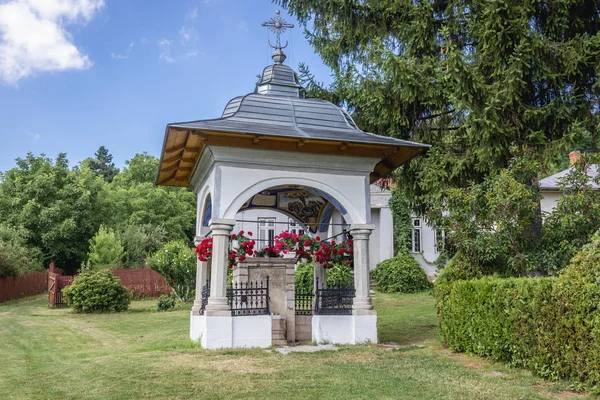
<point>386,236</point>
<point>549,201</point>
<point>281,221</point>
<point>428,242</point>
<point>374,248</point>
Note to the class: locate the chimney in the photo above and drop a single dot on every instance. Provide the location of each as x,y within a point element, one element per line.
<point>574,157</point>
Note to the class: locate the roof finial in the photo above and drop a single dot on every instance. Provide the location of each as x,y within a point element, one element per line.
<point>278,25</point>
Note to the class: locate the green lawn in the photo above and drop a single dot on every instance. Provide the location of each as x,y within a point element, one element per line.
<point>53,354</point>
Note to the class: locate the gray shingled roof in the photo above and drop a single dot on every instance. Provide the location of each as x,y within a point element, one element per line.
<point>553,182</point>
<point>290,117</point>
<point>277,108</point>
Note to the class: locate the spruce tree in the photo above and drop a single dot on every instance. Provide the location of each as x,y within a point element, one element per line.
<point>102,164</point>
<point>473,78</point>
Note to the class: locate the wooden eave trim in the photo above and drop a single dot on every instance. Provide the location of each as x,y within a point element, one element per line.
<point>191,154</point>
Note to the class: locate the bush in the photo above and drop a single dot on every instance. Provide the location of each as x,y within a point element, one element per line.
<point>458,269</point>
<point>139,241</point>
<point>7,265</point>
<point>176,262</point>
<point>97,291</point>
<point>166,302</point>
<point>105,249</point>
<point>16,257</point>
<point>305,273</point>
<point>549,325</point>
<point>401,274</point>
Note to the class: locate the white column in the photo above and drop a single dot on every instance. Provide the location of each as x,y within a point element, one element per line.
<point>362,299</point>
<point>319,272</point>
<point>217,302</point>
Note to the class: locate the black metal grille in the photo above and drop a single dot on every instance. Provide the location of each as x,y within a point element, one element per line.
<point>205,295</point>
<point>334,300</point>
<point>304,302</point>
<point>249,298</point>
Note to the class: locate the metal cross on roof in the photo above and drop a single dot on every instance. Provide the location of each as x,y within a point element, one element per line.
<point>277,25</point>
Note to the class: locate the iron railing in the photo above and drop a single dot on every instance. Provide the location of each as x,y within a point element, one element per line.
<point>205,295</point>
<point>304,300</point>
<point>334,300</point>
<point>249,298</point>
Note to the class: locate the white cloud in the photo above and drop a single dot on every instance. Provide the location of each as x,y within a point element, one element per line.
<point>118,56</point>
<point>34,136</point>
<point>186,34</point>
<point>33,38</point>
<point>192,14</point>
<point>165,51</point>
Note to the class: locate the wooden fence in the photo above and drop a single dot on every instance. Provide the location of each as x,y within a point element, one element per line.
<point>142,282</point>
<point>14,287</point>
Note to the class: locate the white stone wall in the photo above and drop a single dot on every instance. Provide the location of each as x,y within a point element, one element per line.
<point>344,329</point>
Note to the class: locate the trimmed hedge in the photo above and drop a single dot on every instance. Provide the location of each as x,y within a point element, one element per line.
<point>401,274</point>
<point>97,291</point>
<point>548,325</point>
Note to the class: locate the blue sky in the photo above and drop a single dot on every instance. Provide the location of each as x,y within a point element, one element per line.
<point>78,74</point>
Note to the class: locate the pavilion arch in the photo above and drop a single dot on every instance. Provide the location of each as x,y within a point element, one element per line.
<point>351,215</point>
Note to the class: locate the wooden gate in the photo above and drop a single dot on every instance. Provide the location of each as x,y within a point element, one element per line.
<point>56,283</point>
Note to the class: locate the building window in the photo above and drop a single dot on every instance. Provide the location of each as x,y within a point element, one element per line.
<point>440,240</point>
<point>415,236</point>
<point>266,232</point>
<point>294,227</point>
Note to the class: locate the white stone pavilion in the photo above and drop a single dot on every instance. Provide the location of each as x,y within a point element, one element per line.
<point>276,149</point>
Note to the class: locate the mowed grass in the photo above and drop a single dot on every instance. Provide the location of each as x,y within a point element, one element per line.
<point>143,354</point>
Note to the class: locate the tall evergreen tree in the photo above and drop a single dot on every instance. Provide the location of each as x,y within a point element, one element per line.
<point>102,164</point>
<point>471,77</point>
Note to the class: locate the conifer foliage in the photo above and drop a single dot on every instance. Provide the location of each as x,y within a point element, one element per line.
<point>471,77</point>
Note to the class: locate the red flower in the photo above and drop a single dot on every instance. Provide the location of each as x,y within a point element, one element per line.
<point>318,239</point>
<point>233,236</point>
<point>307,243</point>
<point>241,233</point>
<point>249,233</point>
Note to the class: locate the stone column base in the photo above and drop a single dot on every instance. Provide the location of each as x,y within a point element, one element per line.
<point>227,332</point>
<point>344,329</point>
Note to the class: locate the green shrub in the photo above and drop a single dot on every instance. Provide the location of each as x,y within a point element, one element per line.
<point>7,265</point>
<point>401,274</point>
<point>458,269</point>
<point>339,274</point>
<point>548,325</point>
<point>176,262</point>
<point>304,276</point>
<point>166,302</point>
<point>105,249</point>
<point>139,241</point>
<point>97,291</point>
<point>16,257</point>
